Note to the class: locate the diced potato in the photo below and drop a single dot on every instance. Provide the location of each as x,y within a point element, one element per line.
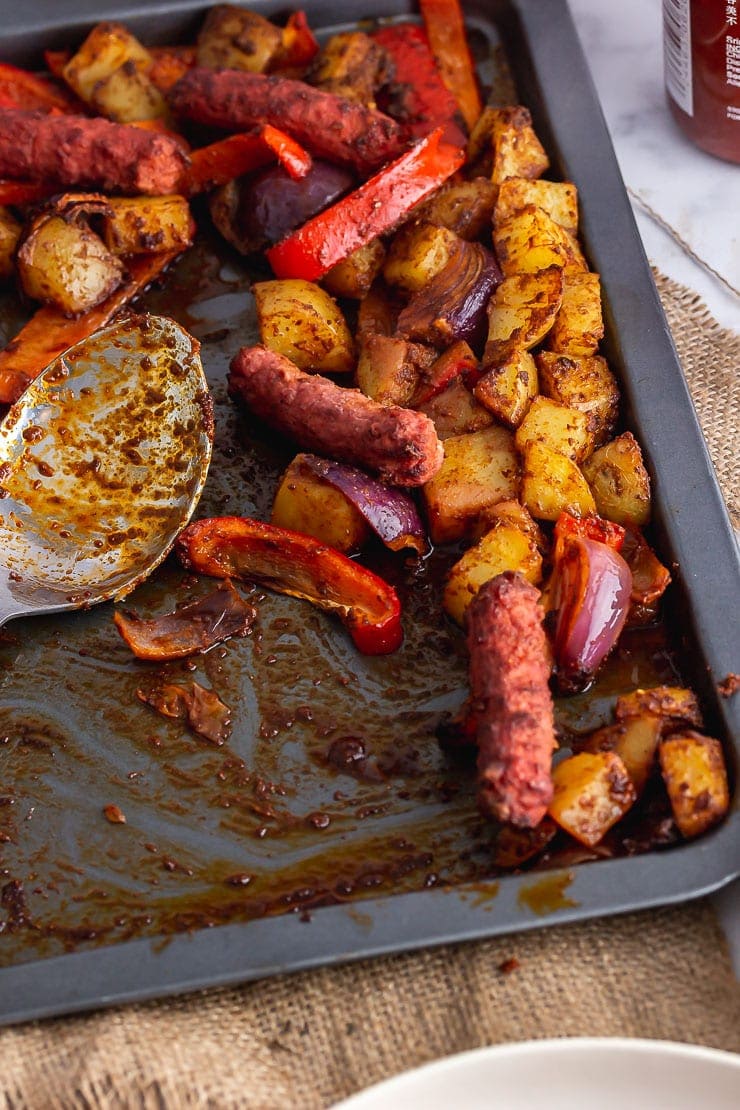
<point>558,427</point>
<point>635,741</point>
<point>351,64</point>
<point>553,484</point>
<point>517,152</point>
<point>236,38</point>
<point>376,312</point>
<point>592,791</point>
<point>355,274</point>
<point>417,254</point>
<point>386,370</point>
<point>306,503</point>
<point>465,207</point>
<point>513,847</point>
<point>479,470</point>
<point>107,48</point>
<point>141,224</point>
<point>579,324</point>
<point>581,382</point>
<point>300,320</point>
<point>127,94</point>
<point>507,389</point>
<point>455,411</point>
<point>558,198</point>
<point>521,312</point>
<point>67,265</point>
<point>10,233</point>
<point>529,241</point>
<point>515,514</point>
<point>673,704</point>
<point>620,482</point>
<point>505,547</point>
<point>695,776</point>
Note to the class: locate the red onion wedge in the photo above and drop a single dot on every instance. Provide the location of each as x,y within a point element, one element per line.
<point>391,513</point>
<point>592,587</point>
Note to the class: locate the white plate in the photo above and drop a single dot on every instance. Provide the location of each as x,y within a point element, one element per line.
<point>567,1074</point>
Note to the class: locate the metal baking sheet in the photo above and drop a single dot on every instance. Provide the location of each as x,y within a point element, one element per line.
<point>229,855</point>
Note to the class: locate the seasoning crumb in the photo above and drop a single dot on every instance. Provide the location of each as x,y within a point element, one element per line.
<point>507,966</point>
<point>729,685</point>
<point>115,815</point>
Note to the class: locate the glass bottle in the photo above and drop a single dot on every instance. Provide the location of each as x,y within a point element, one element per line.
<point>701,57</point>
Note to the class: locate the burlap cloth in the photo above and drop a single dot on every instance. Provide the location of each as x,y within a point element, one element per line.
<point>308,1039</point>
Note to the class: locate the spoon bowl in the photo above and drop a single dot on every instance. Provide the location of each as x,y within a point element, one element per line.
<point>102,462</point>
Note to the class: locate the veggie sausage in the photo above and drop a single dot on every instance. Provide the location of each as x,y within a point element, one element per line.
<point>95,153</point>
<point>399,444</point>
<point>329,126</point>
<point>511,701</point>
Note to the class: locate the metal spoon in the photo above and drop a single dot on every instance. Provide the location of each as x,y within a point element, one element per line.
<point>102,462</point>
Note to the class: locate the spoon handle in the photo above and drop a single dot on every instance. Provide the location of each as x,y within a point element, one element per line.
<point>11,606</point>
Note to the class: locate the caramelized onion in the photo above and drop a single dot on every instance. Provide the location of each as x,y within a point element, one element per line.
<point>592,587</point>
<point>196,627</point>
<point>391,513</point>
<point>452,306</point>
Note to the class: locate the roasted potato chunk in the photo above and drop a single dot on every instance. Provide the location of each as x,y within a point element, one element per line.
<point>635,741</point>
<point>592,791</point>
<point>507,390</point>
<point>558,198</point>
<point>581,382</point>
<point>351,65</point>
<point>110,72</point>
<point>529,241</point>
<point>141,224</point>
<point>386,370</point>
<point>479,470</point>
<point>417,254</point>
<point>300,320</point>
<point>558,427</point>
<point>10,233</point>
<point>619,482</point>
<point>465,207</point>
<point>236,38</point>
<point>66,264</point>
<point>521,312</point>
<point>675,704</point>
<point>505,547</point>
<point>579,325</point>
<point>306,503</point>
<point>516,150</point>
<point>553,484</point>
<point>455,411</point>
<point>695,776</point>
<point>353,276</point>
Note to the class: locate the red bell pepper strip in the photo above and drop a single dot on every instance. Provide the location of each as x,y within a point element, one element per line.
<point>299,45</point>
<point>445,27</point>
<point>239,154</point>
<point>21,89</point>
<point>591,527</point>
<point>420,100</point>
<point>373,209</point>
<point>49,331</point>
<point>25,192</point>
<point>458,361</point>
<point>298,565</point>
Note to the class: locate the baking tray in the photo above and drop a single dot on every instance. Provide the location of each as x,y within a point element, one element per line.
<point>204,887</point>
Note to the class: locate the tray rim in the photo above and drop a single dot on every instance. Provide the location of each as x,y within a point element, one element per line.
<point>148,968</point>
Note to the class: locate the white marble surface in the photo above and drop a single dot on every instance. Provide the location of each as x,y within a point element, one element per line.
<point>687,203</point>
<point>694,195</point>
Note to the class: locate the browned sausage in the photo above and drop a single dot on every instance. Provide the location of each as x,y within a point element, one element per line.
<point>399,444</point>
<point>511,701</point>
<point>95,153</point>
<point>329,126</point>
